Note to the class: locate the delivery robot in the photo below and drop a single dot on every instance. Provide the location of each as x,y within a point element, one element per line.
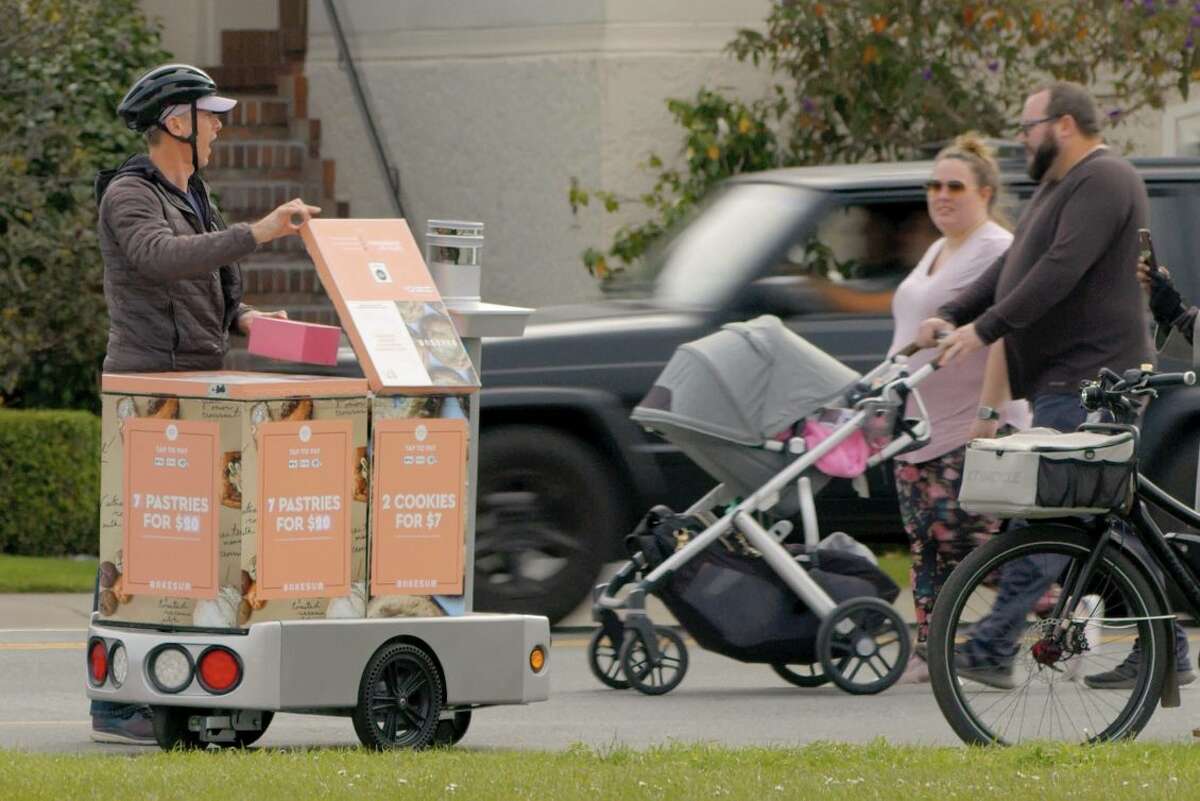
<point>407,682</point>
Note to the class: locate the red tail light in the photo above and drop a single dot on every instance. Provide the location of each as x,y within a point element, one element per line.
<point>219,669</point>
<point>97,662</point>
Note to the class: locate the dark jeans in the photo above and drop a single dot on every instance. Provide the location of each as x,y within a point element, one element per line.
<point>1023,581</point>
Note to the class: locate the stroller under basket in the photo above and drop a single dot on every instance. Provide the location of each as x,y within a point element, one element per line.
<point>738,403</point>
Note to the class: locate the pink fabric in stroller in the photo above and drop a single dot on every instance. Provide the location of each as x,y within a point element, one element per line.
<point>847,460</point>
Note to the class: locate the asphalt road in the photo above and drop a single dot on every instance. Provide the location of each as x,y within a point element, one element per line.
<point>43,707</point>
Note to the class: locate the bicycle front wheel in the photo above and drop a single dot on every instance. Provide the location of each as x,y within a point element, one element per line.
<point>1005,670</point>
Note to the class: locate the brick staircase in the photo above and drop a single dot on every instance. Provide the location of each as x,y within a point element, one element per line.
<point>268,152</point>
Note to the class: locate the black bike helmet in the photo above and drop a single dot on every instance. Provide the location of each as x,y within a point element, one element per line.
<point>168,85</point>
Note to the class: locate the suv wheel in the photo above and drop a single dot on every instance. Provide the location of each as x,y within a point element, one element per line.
<point>547,509</point>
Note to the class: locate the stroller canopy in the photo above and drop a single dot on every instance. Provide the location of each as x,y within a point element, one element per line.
<point>745,383</point>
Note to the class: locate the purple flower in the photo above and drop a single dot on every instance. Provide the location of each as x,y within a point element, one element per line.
<point>1129,4</point>
<point>808,105</point>
<point>1148,5</point>
<point>1196,20</point>
<point>993,65</point>
<point>927,74</point>
<point>1115,113</point>
<point>1189,43</point>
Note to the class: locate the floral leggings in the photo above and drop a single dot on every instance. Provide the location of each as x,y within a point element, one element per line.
<point>940,532</point>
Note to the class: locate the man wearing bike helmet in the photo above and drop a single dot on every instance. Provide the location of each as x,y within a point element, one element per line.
<point>171,278</point>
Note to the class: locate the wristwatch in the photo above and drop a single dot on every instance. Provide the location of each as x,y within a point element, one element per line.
<point>987,413</point>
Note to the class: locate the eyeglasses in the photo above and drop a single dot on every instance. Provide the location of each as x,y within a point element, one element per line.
<point>1026,127</point>
<point>953,187</point>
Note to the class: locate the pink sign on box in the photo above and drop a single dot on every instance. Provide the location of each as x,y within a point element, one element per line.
<point>294,341</point>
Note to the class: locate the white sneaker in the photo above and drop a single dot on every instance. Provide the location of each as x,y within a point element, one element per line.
<point>1091,607</point>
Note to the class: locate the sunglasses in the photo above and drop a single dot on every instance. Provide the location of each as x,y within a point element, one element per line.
<point>953,187</point>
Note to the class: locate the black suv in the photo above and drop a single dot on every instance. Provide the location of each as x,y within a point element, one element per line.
<point>564,473</point>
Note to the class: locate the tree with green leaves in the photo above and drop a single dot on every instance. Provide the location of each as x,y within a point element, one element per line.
<point>875,80</point>
<point>65,67</point>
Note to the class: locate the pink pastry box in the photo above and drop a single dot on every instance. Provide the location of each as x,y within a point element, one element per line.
<point>295,341</point>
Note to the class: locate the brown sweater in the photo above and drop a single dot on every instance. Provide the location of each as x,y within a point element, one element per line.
<point>1065,296</point>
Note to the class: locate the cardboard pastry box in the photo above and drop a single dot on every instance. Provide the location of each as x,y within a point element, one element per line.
<point>232,498</point>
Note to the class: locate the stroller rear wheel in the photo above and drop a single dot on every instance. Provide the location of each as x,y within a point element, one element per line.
<point>801,675</point>
<point>604,658</point>
<point>864,646</point>
<point>657,670</point>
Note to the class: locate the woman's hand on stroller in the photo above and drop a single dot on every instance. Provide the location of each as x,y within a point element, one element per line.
<point>933,331</point>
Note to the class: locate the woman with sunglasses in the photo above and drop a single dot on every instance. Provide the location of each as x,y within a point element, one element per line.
<point>961,196</point>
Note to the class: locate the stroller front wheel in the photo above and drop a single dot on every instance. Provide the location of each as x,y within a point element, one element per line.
<point>657,670</point>
<point>863,646</point>
<point>604,658</point>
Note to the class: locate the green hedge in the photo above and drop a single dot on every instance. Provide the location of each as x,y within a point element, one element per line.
<point>49,482</point>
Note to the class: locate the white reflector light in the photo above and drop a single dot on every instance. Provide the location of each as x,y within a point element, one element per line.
<point>171,669</point>
<point>119,667</point>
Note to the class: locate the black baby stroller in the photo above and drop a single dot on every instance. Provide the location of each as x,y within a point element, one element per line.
<point>743,403</point>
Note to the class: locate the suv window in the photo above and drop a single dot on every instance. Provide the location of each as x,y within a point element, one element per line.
<point>859,254</point>
<point>1174,214</point>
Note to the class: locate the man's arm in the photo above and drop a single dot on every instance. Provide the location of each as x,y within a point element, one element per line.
<point>976,297</point>
<point>135,216</point>
<point>1096,205</point>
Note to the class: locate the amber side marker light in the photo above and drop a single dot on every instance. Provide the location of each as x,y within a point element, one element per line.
<point>537,658</point>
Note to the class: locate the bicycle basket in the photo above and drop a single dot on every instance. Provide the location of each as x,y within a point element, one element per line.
<point>1045,473</point>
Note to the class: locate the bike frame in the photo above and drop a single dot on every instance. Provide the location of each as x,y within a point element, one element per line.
<point>1146,495</point>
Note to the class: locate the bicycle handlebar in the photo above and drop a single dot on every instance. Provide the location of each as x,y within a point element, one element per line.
<point>1114,392</point>
<point>1187,379</point>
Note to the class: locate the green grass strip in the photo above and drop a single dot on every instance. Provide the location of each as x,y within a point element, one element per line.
<point>824,771</point>
<point>897,564</point>
<point>46,574</point>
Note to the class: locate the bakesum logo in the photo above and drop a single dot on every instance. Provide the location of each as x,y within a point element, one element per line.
<point>421,433</point>
<point>994,476</point>
<point>305,433</point>
<point>172,432</point>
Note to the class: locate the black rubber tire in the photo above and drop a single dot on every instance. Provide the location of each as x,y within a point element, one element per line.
<point>171,728</point>
<point>842,665</point>
<point>604,659</point>
<point>451,730</point>
<point>1043,539</point>
<point>642,676</point>
<point>571,512</point>
<point>244,739</point>
<point>398,671</point>
<point>801,675</point>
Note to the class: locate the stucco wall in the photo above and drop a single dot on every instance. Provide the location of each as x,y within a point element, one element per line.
<point>192,29</point>
<point>489,109</point>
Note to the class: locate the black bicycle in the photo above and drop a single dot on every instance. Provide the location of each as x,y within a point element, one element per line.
<point>1062,629</point>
